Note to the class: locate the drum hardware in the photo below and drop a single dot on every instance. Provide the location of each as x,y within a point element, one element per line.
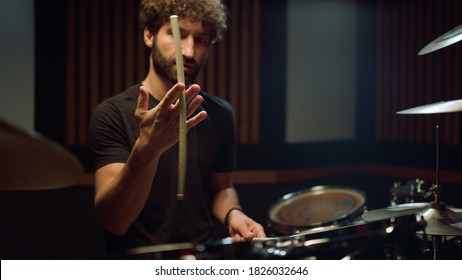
<point>452,36</point>
<point>276,247</point>
<point>444,240</point>
<point>440,220</point>
<point>451,248</point>
<point>227,249</point>
<point>386,239</point>
<point>441,247</point>
<point>31,162</point>
<point>410,192</point>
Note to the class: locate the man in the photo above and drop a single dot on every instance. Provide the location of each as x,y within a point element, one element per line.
<point>134,140</point>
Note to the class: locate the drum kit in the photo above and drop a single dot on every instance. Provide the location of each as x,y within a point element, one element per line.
<point>402,231</point>
<point>322,222</point>
<point>332,222</point>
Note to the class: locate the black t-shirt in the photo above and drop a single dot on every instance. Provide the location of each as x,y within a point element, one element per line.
<point>210,148</point>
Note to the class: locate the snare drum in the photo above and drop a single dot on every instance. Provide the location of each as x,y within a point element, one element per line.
<point>319,206</point>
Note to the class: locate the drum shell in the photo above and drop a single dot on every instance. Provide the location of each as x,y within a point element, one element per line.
<point>318,207</point>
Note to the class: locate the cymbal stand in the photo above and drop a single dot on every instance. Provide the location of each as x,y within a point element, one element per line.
<point>434,189</point>
<point>437,241</point>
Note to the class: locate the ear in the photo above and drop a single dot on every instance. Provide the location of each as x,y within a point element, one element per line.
<point>148,37</point>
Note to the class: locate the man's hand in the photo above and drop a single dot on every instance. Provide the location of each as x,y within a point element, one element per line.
<point>160,125</point>
<point>242,228</point>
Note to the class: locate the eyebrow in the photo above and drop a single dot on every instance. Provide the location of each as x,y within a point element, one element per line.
<point>205,33</point>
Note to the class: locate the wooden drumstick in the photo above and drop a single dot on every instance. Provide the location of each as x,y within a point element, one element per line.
<point>182,118</point>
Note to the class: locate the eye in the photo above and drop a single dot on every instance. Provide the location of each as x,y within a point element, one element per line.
<point>183,34</point>
<point>205,40</point>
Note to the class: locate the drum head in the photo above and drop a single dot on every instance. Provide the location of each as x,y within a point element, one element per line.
<point>317,206</point>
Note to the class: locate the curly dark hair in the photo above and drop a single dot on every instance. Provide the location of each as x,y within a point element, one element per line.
<point>212,14</point>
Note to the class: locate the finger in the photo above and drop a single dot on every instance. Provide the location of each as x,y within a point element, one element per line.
<point>259,231</point>
<point>248,235</point>
<point>192,92</point>
<point>192,122</point>
<point>238,238</point>
<point>143,101</point>
<point>194,104</point>
<point>172,95</point>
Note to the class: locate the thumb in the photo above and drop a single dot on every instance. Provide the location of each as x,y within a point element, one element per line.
<point>143,100</point>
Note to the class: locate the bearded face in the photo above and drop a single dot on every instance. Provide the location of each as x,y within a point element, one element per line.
<point>166,66</point>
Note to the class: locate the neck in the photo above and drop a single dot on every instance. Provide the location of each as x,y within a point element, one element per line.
<point>156,85</point>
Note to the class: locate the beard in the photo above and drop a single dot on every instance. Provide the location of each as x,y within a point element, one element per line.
<point>165,67</point>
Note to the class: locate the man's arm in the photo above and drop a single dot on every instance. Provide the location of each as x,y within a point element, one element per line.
<point>226,206</point>
<point>121,189</point>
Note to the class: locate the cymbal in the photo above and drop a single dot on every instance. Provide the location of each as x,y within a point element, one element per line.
<point>442,221</point>
<point>452,36</point>
<point>31,162</point>
<point>394,211</point>
<point>435,108</point>
<point>439,220</point>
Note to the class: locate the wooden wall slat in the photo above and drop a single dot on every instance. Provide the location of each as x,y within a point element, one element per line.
<point>234,63</point>
<point>210,72</point>
<point>95,77</point>
<point>82,68</point>
<point>105,61</point>
<point>457,72</point>
<point>222,79</point>
<point>129,29</point>
<point>71,73</point>
<point>244,41</point>
<point>420,27</point>
<point>255,71</point>
<point>118,39</point>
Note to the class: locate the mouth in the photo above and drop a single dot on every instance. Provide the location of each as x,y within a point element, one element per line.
<point>189,67</point>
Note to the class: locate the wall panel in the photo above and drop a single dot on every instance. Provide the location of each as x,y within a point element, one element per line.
<point>406,80</point>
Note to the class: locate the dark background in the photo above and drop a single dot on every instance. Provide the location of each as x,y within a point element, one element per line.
<point>61,224</point>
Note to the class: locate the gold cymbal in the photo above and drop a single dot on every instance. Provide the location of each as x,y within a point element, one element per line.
<point>442,221</point>
<point>439,220</point>
<point>452,36</point>
<point>31,162</point>
<point>435,108</point>
<point>394,211</point>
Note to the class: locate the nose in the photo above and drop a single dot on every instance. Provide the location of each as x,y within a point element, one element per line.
<point>187,47</point>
